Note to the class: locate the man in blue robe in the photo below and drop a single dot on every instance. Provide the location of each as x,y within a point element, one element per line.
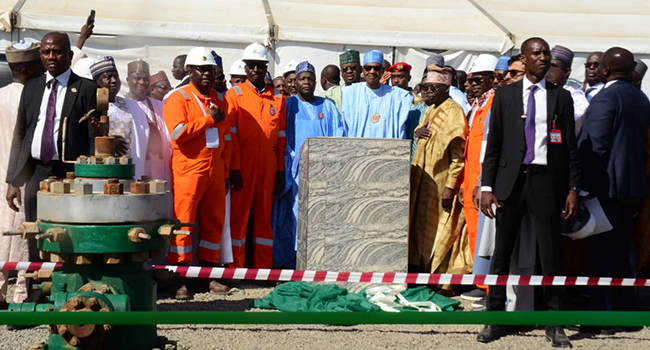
<point>307,116</point>
<point>373,109</point>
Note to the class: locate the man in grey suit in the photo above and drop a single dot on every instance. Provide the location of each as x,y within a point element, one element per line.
<point>612,153</point>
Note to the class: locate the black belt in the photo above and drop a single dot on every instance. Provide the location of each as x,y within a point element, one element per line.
<point>533,168</point>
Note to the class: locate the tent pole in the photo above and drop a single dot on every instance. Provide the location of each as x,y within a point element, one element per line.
<point>493,20</point>
<point>272,39</point>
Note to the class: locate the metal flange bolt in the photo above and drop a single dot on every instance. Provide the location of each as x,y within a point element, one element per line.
<point>28,230</point>
<point>40,275</point>
<point>55,234</point>
<point>138,235</point>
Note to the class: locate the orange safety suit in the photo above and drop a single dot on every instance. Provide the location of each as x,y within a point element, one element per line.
<point>199,173</point>
<point>257,123</point>
<point>472,169</point>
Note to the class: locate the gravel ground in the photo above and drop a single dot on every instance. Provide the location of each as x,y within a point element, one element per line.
<point>187,337</point>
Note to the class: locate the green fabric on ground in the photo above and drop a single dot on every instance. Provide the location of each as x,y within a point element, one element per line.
<point>305,297</point>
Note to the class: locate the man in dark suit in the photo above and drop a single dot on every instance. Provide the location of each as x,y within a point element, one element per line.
<point>531,166</point>
<point>48,105</point>
<point>612,150</point>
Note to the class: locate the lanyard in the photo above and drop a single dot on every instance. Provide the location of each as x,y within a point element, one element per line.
<point>201,104</point>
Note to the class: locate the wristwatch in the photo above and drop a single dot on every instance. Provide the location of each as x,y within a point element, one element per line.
<point>577,189</point>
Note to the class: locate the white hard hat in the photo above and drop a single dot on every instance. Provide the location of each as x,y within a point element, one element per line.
<point>255,52</point>
<point>82,67</point>
<point>200,56</point>
<point>290,67</point>
<point>483,63</point>
<point>237,68</point>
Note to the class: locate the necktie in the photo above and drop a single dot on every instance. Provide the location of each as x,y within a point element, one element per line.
<point>529,130</point>
<point>47,143</point>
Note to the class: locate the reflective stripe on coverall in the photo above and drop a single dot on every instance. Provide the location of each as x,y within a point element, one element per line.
<point>258,123</point>
<point>199,173</point>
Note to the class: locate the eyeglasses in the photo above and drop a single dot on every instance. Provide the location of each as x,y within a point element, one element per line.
<point>592,64</point>
<point>350,68</point>
<point>516,73</point>
<point>371,68</point>
<point>203,69</point>
<point>258,65</point>
<point>428,87</point>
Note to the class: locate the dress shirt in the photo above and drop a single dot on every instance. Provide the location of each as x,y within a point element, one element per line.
<point>61,89</point>
<point>541,122</point>
<point>610,83</point>
<point>591,91</point>
<point>259,91</point>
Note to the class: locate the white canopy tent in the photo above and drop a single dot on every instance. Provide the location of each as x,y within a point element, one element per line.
<point>318,30</point>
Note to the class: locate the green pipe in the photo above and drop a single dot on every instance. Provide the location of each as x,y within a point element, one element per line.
<point>585,318</point>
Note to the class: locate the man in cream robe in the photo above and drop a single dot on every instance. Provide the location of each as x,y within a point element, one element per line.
<point>25,63</point>
<point>438,242</point>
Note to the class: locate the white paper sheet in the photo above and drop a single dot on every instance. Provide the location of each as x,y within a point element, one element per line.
<point>212,138</point>
<point>602,223</point>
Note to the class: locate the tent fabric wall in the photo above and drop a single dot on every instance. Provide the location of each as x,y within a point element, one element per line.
<point>319,30</point>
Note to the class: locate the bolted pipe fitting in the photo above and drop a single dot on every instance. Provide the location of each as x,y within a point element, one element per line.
<point>138,235</point>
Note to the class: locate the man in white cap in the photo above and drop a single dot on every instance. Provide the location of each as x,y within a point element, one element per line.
<point>195,117</point>
<point>237,73</point>
<point>289,75</point>
<point>154,151</point>
<point>257,116</point>
<point>122,125</point>
<point>480,79</point>
<point>373,109</point>
<point>25,63</point>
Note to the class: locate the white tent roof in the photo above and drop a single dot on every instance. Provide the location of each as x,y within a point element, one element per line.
<point>318,30</point>
<point>474,25</point>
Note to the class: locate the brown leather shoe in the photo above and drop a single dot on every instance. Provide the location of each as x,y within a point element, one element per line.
<point>182,293</point>
<point>218,288</point>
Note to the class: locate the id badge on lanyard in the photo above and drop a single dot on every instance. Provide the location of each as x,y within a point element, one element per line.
<point>211,134</point>
<point>556,135</point>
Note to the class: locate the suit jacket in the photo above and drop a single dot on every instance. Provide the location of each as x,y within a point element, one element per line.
<point>506,145</point>
<point>80,97</point>
<point>612,142</point>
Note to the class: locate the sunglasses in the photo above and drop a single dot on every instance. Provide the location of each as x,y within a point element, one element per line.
<point>592,64</point>
<point>203,69</point>
<point>258,65</point>
<point>476,80</point>
<point>515,73</point>
<point>371,68</point>
<point>351,69</point>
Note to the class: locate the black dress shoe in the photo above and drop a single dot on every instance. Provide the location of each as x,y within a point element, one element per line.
<point>490,334</point>
<point>555,334</point>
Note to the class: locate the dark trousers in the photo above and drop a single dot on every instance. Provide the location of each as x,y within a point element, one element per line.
<point>41,172</point>
<point>612,254</point>
<point>533,193</point>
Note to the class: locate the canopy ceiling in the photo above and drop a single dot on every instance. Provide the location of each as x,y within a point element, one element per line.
<point>473,25</point>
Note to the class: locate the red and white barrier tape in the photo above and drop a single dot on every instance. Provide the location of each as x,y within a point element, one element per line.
<point>370,277</point>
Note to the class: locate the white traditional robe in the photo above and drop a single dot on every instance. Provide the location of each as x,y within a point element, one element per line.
<point>12,248</point>
<point>158,169</point>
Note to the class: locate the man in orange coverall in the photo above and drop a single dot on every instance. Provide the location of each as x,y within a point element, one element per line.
<point>201,142</point>
<point>257,117</point>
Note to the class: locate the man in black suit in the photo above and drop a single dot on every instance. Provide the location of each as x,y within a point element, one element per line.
<point>531,166</point>
<point>612,150</point>
<point>49,104</point>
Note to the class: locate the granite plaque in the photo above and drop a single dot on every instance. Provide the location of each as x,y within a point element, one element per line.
<point>354,206</point>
